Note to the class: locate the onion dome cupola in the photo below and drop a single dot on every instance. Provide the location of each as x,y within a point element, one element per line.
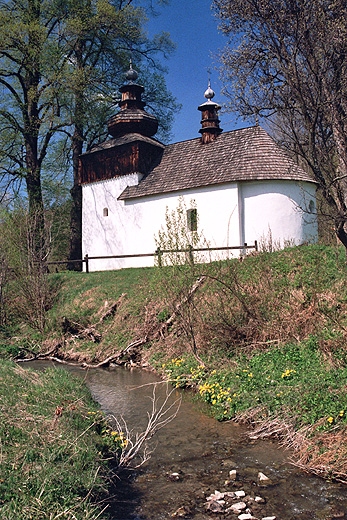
<point>132,118</point>
<point>210,128</point>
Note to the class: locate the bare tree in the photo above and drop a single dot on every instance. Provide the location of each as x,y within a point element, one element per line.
<point>286,60</point>
<point>135,449</point>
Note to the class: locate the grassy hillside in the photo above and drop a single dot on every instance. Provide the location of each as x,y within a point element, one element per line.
<point>262,340</point>
<point>55,449</point>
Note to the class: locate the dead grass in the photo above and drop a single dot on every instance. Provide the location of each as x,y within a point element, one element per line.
<point>320,453</point>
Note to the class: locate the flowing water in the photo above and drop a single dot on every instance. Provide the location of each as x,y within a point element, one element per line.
<point>193,456</point>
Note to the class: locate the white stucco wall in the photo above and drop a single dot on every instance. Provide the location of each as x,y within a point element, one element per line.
<point>131,225</point>
<point>229,215</point>
<point>278,213</point>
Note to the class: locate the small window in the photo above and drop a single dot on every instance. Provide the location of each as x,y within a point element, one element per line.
<point>311,206</point>
<point>105,212</point>
<point>192,219</point>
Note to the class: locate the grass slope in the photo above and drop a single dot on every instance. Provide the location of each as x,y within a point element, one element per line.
<point>262,341</point>
<point>53,450</point>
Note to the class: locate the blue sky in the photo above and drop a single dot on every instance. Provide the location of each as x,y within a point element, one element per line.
<point>194,30</point>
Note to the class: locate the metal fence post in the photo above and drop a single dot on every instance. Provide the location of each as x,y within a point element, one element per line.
<point>86,260</point>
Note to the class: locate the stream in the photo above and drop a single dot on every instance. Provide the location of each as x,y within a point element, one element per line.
<point>193,456</point>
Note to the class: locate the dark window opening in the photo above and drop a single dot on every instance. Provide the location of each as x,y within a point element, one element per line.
<point>105,212</point>
<point>192,219</point>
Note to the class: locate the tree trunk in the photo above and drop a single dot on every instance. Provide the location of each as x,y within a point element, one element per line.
<point>77,148</point>
<point>37,246</point>
<point>76,229</point>
<point>76,208</point>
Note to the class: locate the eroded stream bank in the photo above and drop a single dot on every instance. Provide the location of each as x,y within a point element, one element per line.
<point>202,451</point>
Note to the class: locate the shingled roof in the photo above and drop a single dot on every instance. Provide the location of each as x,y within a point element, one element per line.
<point>249,154</point>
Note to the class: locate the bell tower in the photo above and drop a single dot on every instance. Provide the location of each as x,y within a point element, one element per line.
<point>209,117</point>
<point>131,150</point>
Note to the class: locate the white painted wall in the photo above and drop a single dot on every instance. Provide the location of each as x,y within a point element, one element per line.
<point>131,225</point>
<point>229,215</point>
<point>279,213</point>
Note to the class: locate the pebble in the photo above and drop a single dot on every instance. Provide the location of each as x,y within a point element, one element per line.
<point>226,502</point>
<point>233,474</point>
<point>174,476</point>
<point>236,508</point>
<point>262,477</point>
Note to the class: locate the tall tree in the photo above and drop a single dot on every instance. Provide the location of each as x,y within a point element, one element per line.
<point>60,62</point>
<point>28,110</point>
<point>286,60</point>
<point>100,37</point>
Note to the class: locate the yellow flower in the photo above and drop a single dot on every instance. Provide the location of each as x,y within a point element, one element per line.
<point>288,373</point>
<point>330,420</point>
<point>342,413</point>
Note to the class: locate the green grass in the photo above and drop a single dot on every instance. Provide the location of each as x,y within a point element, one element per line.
<point>292,382</point>
<point>53,448</point>
<point>264,338</point>
<point>96,288</point>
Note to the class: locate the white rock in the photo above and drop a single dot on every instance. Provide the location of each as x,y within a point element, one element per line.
<point>240,494</point>
<point>246,516</point>
<point>230,494</point>
<point>259,500</point>
<point>233,474</point>
<point>215,496</point>
<point>237,508</point>
<point>262,477</point>
<point>269,518</point>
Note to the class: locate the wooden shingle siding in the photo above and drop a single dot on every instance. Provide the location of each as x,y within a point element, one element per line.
<point>133,153</point>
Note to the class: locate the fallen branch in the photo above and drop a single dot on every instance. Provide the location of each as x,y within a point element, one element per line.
<point>78,331</point>
<point>136,446</point>
<point>115,358</point>
<point>185,300</point>
<point>111,311</point>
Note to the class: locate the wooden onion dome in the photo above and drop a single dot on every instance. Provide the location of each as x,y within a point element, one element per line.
<point>209,117</point>
<point>132,118</point>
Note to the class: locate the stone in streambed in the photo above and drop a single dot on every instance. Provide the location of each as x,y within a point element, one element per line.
<point>214,506</point>
<point>217,495</point>
<point>181,512</point>
<point>237,508</point>
<point>263,479</point>
<point>232,474</point>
